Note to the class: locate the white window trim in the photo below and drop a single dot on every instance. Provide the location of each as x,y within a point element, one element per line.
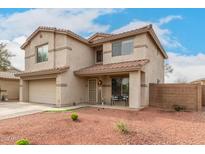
<point>121,41</point>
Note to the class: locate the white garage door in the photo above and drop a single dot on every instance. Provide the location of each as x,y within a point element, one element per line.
<point>42,91</point>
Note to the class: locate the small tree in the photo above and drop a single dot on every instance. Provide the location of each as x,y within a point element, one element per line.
<point>4,57</point>
<point>168,69</point>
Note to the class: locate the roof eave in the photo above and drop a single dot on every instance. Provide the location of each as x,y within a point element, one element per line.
<point>54,30</point>
<point>5,78</point>
<point>155,38</point>
<point>106,73</point>
<point>43,72</point>
<point>101,41</point>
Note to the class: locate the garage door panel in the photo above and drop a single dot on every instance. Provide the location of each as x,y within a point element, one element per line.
<point>42,91</point>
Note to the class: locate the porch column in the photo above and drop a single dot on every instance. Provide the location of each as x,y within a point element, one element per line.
<point>134,89</point>
<point>23,91</point>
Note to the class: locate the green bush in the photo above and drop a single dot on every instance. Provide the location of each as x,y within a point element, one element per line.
<point>74,116</point>
<point>122,127</point>
<point>22,142</point>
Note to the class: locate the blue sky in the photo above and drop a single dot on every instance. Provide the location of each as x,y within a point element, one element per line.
<point>192,23</point>
<point>181,31</point>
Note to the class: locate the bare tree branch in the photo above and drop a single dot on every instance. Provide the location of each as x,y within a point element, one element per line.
<point>168,69</point>
<point>4,57</point>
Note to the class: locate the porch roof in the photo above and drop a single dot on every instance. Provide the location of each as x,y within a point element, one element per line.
<point>43,72</point>
<point>113,68</point>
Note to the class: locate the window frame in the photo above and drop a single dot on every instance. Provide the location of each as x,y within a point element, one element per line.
<point>122,92</point>
<point>96,56</point>
<point>37,47</point>
<point>121,43</point>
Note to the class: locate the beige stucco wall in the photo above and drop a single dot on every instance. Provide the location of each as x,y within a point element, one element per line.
<point>76,91</point>
<point>139,51</point>
<point>55,59</point>
<point>68,52</point>
<point>23,91</point>
<point>12,87</point>
<point>144,48</point>
<point>154,70</point>
<point>30,52</point>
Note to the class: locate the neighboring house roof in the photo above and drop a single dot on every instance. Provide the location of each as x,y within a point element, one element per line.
<point>100,69</point>
<point>13,69</point>
<point>8,75</point>
<point>43,72</point>
<point>106,37</point>
<point>198,80</point>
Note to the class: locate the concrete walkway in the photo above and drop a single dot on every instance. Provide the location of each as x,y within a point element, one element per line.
<point>15,109</point>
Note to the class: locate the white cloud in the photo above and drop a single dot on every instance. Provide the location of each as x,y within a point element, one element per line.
<point>167,19</point>
<point>165,35</point>
<point>77,20</point>
<point>13,47</point>
<point>186,67</point>
<point>16,27</point>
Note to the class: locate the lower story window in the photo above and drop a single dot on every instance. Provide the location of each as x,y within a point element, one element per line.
<point>120,87</point>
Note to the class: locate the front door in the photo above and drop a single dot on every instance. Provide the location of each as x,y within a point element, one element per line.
<point>92,92</point>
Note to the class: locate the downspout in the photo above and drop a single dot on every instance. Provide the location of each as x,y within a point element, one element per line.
<point>54,49</point>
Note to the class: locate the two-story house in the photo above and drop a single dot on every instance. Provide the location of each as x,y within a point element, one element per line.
<point>63,68</point>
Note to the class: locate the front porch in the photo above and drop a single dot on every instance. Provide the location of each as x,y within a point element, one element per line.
<point>120,84</point>
<point>116,83</point>
<point>123,90</point>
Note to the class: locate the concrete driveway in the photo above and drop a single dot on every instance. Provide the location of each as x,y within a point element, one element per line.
<point>15,109</point>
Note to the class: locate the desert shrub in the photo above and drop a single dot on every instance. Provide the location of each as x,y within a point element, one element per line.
<point>122,127</point>
<point>74,116</point>
<point>22,142</point>
<point>178,108</point>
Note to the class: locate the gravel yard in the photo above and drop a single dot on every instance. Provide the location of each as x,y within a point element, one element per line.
<point>98,126</point>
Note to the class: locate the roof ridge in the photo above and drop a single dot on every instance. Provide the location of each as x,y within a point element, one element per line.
<point>144,27</point>
<point>98,33</point>
<point>62,29</point>
<point>73,34</point>
<point>129,31</point>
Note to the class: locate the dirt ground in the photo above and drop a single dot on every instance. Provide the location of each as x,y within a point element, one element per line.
<point>98,126</point>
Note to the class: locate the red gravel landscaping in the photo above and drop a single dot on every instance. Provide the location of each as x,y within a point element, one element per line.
<point>98,126</point>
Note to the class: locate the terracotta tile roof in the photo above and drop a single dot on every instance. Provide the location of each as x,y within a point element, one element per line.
<point>107,37</point>
<point>57,30</point>
<point>90,39</point>
<point>103,69</point>
<point>123,34</point>
<point>146,29</point>
<point>43,72</point>
<point>201,79</point>
<point>8,75</point>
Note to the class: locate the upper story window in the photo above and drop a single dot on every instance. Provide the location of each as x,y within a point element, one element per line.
<point>42,53</point>
<point>124,47</point>
<point>99,56</point>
